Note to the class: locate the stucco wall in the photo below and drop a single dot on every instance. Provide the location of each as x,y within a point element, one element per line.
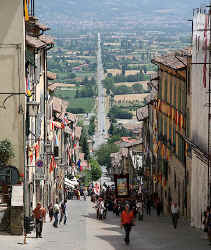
<point>12,75</point>
<point>199,115</point>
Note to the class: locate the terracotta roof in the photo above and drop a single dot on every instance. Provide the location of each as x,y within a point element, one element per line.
<point>46,39</point>
<point>78,132</point>
<point>34,42</point>
<point>57,104</point>
<point>142,113</point>
<point>51,75</point>
<point>171,61</point>
<point>52,87</point>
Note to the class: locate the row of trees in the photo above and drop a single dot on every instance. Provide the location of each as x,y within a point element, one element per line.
<point>135,89</point>
<point>109,85</point>
<point>95,172</point>
<point>89,88</point>
<point>91,129</point>
<point>129,78</point>
<point>118,113</point>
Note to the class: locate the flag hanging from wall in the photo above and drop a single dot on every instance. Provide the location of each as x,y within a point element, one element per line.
<point>26,11</point>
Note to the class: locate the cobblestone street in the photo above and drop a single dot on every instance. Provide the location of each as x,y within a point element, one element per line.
<point>84,232</point>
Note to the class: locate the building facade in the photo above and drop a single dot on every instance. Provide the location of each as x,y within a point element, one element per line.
<point>200,131</point>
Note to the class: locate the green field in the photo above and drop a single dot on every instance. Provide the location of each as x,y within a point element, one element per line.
<point>65,94</point>
<point>85,103</point>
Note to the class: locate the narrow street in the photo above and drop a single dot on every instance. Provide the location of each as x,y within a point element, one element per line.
<point>101,121</point>
<point>84,232</point>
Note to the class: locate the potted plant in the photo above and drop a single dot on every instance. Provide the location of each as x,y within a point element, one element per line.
<point>6,152</point>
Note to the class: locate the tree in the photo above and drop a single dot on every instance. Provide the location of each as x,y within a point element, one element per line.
<point>84,144</point>
<point>91,129</point>
<point>96,171</point>
<point>104,154</point>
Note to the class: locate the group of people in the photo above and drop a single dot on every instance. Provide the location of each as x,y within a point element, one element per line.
<point>56,211</point>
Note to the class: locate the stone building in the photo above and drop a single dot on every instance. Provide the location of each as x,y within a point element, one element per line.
<point>200,124</point>
<point>12,102</point>
<point>166,125</point>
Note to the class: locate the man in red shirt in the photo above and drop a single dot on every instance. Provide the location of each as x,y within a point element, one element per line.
<point>39,214</point>
<point>127,222</point>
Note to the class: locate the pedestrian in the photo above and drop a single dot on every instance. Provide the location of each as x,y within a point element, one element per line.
<point>56,213</point>
<point>175,214</point>
<point>149,204</point>
<point>39,214</point>
<point>85,193</point>
<point>140,210</point>
<point>63,212</point>
<point>127,222</point>
<point>79,195</point>
<point>50,211</point>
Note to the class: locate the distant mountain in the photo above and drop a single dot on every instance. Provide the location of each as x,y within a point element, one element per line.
<point>59,12</point>
<point>101,9</point>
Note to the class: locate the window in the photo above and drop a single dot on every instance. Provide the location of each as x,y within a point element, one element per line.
<point>183,98</point>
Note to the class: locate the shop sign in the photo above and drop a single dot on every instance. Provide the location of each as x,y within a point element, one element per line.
<point>17,196</point>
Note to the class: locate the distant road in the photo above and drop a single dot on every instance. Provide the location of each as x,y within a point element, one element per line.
<point>101,131</point>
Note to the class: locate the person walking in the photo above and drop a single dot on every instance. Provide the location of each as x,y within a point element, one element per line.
<point>56,213</point>
<point>63,212</point>
<point>50,211</point>
<point>39,214</point>
<point>140,209</point>
<point>175,214</point>
<point>127,222</point>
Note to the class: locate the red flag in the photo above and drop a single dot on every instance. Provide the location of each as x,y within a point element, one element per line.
<point>51,165</point>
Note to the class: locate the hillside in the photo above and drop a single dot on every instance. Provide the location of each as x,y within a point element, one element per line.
<point>105,9</point>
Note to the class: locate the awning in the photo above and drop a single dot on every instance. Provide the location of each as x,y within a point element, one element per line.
<point>71,183</point>
<point>68,184</point>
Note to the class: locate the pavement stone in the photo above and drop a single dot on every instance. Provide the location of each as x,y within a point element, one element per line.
<point>84,232</point>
